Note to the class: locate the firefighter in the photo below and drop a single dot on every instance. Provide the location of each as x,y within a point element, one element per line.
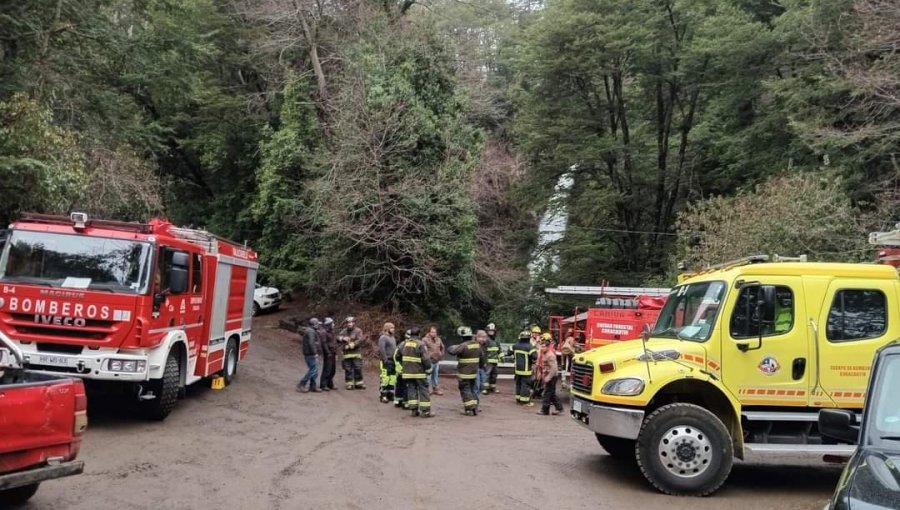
<point>537,379</point>
<point>386,347</point>
<point>470,357</point>
<point>535,337</point>
<point>492,351</point>
<point>549,374</point>
<point>415,365</point>
<point>400,386</point>
<point>352,339</point>
<point>525,355</point>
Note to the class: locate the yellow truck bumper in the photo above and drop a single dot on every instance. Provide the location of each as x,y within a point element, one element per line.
<point>606,420</point>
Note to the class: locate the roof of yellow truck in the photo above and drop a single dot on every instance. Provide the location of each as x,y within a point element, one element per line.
<point>833,269</point>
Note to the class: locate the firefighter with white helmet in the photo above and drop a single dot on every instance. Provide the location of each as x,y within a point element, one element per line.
<point>492,351</point>
<point>470,357</point>
<point>352,340</point>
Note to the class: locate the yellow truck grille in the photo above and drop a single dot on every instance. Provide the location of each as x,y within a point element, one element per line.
<point>582,377</point>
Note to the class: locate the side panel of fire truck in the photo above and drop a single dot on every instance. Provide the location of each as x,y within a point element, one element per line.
<point>231,311</point>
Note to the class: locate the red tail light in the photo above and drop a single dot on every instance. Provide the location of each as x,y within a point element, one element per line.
<point>81,419</point>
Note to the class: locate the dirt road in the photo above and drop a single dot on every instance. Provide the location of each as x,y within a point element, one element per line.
<point>259,444</point>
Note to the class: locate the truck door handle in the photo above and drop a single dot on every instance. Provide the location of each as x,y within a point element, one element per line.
<point>798,368</point>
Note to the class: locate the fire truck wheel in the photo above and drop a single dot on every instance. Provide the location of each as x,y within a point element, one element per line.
<point>616,447</point>
<point>19,495</point>
<point>166,390</point>
<point>231,361</point>
<point>684,450</point>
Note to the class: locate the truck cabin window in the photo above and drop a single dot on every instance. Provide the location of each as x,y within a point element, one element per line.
<point>75,261</point>
<point>690,312</point>
<point>166,264</point>
<point>746,321</point>
<point>857,315</point>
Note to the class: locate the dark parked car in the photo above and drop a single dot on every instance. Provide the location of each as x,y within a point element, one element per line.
<point>871,480</point>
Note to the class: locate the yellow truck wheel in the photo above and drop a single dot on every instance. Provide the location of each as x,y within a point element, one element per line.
<point>684,450</point>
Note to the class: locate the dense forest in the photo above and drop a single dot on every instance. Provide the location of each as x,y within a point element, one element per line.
<point>402,152</point>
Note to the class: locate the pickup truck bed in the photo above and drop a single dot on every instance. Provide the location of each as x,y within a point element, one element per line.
<point>42,419</point>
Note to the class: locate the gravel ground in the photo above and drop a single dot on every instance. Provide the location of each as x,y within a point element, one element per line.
<point>260,444</point>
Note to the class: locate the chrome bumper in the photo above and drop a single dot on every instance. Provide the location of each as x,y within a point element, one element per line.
<point>607,421</point>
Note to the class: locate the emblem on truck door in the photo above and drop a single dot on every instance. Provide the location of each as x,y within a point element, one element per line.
<point>769,365</point>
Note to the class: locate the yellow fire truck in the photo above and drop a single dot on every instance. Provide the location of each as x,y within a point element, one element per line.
<point>740,360</point>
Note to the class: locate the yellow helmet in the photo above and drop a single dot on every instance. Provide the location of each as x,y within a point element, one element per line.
<point>536,329</point>
<point>546,336</point>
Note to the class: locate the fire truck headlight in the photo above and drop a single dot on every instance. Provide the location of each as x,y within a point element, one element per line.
<point>626,387</point>
<point>127,365</point>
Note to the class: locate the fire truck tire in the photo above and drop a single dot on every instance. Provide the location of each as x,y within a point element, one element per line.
<point>229,370</point>
<point>17,496</point>
<point>166,390</point>
<point>616,447</point>
<point>684,450</point>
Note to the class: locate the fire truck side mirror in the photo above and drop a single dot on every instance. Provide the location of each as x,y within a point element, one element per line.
<point>178,280</point>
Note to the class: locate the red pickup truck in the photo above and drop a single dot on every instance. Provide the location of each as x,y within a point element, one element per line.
<point>42,420</point>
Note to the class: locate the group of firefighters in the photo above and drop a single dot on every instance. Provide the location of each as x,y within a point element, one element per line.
<point>409,367</point>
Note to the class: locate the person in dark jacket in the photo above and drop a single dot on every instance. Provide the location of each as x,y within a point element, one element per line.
<point>492,349</point>
<point>310,347</point>
<point>416,366</point>
<point>470,358</point>
<point>526,355</point>
<point>329,355</point>
<point>400,385</point>
<point>386,347</point>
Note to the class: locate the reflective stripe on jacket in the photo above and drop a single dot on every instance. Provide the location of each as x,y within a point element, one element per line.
<point>470,356</point>
<point>492,349</point>
<point>526,355</point>
<point>413,359</point>
<point>352,342</point>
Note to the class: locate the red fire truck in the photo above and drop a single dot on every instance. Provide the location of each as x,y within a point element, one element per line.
<point>147,306</point>
<point>619,313</point>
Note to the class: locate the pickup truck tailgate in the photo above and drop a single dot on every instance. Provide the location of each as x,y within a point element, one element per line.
<point>37,421</point>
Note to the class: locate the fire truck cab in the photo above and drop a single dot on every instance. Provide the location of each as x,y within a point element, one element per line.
<point>149,306</point>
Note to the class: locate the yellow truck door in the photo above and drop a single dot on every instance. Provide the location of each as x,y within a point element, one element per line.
<point>858,316</point>
<point>775,371</point>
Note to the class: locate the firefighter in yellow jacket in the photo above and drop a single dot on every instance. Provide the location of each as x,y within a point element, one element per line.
<point>416,366</point>
<point>470,357</point>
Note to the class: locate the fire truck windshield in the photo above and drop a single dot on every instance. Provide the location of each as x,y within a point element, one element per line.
<point>76,261</point>
<point>690,312</point>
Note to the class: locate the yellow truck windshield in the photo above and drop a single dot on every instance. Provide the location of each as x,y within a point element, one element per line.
<point>691,311</point>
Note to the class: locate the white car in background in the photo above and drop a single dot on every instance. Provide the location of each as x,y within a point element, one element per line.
<point>265,299</point>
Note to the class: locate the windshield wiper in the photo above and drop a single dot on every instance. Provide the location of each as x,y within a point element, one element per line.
<point>672,329</point>
<point>28,281</point>
<point>890,438</point>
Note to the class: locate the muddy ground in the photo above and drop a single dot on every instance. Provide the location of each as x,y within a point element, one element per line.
<point>259,444</point>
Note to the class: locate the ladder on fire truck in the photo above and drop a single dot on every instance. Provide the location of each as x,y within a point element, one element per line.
<point>890,240</point>
<point>201,238</point>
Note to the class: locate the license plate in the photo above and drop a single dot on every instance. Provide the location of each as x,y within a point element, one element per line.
<point>55,361</point>
<point>576,406</point>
